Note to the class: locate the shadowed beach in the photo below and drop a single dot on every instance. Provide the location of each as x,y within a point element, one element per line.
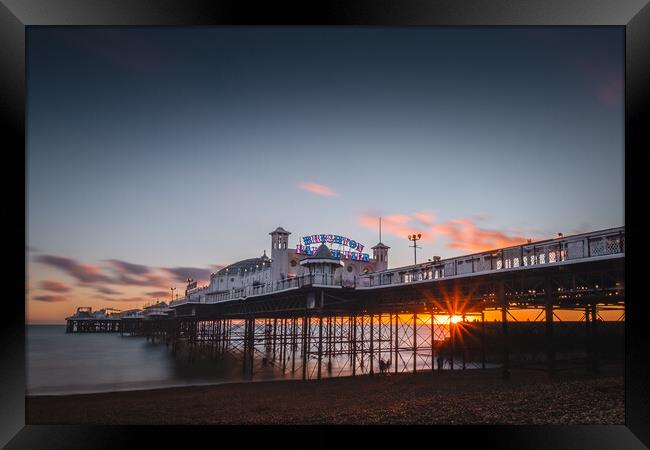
<point>459,397</point>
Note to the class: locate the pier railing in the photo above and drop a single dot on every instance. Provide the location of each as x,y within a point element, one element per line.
<point>563,250</point>
<point>262,289</point>
<point>553,251</point>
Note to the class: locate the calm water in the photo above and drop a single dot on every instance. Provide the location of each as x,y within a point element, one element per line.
<point>60,363</point>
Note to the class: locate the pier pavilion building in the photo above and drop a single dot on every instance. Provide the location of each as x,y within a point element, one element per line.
<point>333,259</point>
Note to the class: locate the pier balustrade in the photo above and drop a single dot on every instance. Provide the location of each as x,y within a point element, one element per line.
<point>555,251</point>
<point>565,250</point>
<point>312,280</point>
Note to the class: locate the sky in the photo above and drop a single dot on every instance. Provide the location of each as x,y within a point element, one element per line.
<point>154,154</point>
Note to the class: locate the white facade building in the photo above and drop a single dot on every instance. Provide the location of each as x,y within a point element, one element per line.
<point>287,263</point>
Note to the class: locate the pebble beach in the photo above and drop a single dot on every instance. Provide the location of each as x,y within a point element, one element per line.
<point>529,397</point>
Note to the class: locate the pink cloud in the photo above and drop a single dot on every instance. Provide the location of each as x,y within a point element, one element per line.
<point>461,234</point>
<point>84,273</point>
<point>464,234</point>
<point>106,290</point>
<point>54,286</point>
<point>159,294</point>
<point>319,189</point>
<point>426,218</point>
<point>50,298</point>
<point>137,299</point>
<point>117,273</point>
<point>181,274</point>
<point>400,225</point>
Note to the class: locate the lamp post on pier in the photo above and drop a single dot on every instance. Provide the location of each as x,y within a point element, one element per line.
<point>414,238</point>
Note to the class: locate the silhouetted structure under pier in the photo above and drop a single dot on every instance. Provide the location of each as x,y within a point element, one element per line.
<point>92,325</point>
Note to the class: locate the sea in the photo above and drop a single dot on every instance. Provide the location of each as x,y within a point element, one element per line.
<point>60,363</point>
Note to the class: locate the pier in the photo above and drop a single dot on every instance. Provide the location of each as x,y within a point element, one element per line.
<point>425,317</point>
<point>85,321</point>
<point>303,324</point>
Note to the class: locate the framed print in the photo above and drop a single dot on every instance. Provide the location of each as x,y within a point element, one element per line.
<point>359,214</point>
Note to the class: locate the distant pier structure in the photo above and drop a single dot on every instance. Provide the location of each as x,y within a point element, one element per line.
<point>135,322</point>
<point>87,321</point>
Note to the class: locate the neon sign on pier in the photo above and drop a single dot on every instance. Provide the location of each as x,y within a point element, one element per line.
<point>355,253</point>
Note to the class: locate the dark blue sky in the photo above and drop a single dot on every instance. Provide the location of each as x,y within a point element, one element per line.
<point>185,147</point>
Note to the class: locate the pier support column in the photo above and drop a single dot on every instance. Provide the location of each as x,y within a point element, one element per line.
<point>227,335</point>
<point>379,355</point>
<point>283,343</point>
<point>452,341</point>
<point>251,348</point>
<point>363,354</point>
<point>245,348</point>
<point>415,341</point>
<point>320,343</point>
<point>550,339</point>
<point>501,299</point>
<point>329,344</point>
<point>228,341</point>
<point>218,337</point>
<point>222,337</point>
<point>595,363</point>
<point>305,344</point>
<point>396,341</point>
<point>354,345</point>
<point>294,343</point>
<point>390,338</point>
<point>588,341</point>
<point>433,342</point>
<point>372,340</point>
<point>482,339</point>
<point>463,342</point>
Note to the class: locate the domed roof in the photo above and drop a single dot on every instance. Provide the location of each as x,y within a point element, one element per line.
<point>251,264</point>
<point>322,255</point>
<point>323,251</point>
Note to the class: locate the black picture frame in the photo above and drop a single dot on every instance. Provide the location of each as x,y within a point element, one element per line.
<point>16,15</point>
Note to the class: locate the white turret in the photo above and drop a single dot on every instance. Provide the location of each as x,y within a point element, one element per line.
<point>279,254</point>
<point>380,254</point>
